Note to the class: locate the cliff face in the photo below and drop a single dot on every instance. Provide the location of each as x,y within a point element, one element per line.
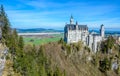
<point>3,54</point>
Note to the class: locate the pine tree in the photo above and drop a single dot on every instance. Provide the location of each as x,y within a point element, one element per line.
<point>105,65</point>
<point>6,31</point>
<point>21,42</point>
<point>2,12</point>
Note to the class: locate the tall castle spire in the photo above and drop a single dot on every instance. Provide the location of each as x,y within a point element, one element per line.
<point>76,23</point>
<point>102,31</point>
<point>71,20</point>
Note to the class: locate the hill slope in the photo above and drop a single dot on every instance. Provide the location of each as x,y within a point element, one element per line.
<point>75,63</point>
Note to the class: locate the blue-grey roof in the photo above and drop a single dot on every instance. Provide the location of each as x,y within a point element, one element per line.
<point>96,34</point>
<point>73,27</point>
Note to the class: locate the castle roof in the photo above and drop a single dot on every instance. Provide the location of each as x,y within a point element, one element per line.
<point>96,34</point>
<point>73,27</point>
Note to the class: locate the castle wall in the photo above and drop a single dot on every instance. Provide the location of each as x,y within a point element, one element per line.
<point>77,35</point>
<point>96,39</point>
<point>72,36</point>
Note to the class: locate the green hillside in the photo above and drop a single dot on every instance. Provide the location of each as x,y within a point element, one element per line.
<point>38,41</point>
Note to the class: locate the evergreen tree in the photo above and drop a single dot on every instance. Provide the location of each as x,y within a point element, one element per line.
<point>105,65</point>
<point>6,26</point>
<point>110,42</point>
<point>21,42</point>
<point>2,12</point>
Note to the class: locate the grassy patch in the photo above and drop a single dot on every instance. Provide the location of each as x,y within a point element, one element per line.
<point>38,41</point>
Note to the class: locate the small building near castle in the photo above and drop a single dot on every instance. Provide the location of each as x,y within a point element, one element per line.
<point>74,33</point>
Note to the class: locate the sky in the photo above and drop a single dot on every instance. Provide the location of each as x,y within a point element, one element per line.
<point>54,14</point>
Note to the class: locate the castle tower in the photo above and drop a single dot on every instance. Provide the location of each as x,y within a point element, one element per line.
<point>102,31</point>
<point>71,20</point>
<point>76,25</point>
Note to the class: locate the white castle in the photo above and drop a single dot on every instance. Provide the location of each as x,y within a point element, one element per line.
<point>74,33</point>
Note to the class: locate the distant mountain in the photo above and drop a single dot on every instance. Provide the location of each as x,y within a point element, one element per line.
<point>37,30</point>
<point>107,31</point>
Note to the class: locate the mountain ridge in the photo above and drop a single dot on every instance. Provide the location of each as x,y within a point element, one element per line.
<point>40,30</point>
<point>36,30</point>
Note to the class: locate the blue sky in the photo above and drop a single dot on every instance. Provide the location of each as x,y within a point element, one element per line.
<point>55,13</point>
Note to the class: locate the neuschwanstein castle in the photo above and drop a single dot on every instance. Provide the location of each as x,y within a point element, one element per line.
<point>75,32</point>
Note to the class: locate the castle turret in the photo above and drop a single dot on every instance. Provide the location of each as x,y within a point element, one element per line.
<point>76,25</point>
<point>71,20</point>
<point>102,31</point>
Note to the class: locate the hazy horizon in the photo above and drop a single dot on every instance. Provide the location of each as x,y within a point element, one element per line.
<point>62,29</point>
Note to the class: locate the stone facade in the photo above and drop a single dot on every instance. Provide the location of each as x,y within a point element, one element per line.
<point>75,32</point>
